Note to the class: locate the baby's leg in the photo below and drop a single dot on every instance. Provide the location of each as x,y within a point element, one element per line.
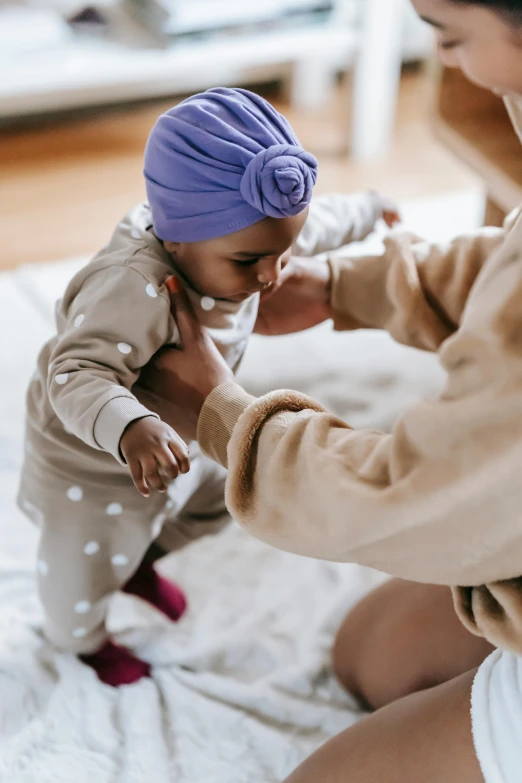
<point>76,580</point>
<point>403,638</point>
<point>163,595</point>
<point>93,540</point>
<point>197,507</point>
<point>77,575</point>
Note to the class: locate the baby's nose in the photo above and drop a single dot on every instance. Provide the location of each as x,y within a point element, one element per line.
<point>269,271</point>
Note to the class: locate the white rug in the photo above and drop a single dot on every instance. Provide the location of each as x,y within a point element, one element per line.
<point>241,689</point>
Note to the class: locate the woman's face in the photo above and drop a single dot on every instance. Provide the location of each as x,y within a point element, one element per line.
<point>478,41</point>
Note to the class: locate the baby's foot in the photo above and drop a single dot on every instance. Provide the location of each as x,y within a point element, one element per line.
<point>165,596</point>
<point>116,666</point>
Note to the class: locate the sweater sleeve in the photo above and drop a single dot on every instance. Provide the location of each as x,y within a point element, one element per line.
<point>337,219</point>
<point>438,500</point>
<point>114,325</point>
<point>415,290</point>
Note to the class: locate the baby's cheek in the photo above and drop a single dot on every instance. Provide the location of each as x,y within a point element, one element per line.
<point>241,277</point>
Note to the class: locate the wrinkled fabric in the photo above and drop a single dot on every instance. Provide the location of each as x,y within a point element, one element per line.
<point>221,161</point>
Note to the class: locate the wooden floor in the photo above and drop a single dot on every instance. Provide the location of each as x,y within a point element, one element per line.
<point>65,182</point>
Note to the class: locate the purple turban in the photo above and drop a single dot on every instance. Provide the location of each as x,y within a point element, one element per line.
<point>221,161</point>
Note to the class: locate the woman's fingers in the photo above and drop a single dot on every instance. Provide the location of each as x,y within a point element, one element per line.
<point>172,284</point>
<point>182,310</point>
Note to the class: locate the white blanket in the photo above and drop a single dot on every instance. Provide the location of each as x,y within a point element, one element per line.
<point>242,688</point>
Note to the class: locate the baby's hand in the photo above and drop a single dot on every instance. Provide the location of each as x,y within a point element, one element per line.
<point>390,211</point>
<point>154,452</point>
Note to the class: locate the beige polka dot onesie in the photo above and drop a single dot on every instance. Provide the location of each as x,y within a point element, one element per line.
<point>115,314</point>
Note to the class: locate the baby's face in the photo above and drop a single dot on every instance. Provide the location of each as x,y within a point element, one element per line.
<point>238,265</point>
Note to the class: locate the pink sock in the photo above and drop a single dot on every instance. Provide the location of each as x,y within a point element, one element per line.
<point>165,596</point>
<point>116,666</point>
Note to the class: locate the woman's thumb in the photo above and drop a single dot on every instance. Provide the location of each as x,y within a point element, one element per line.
<point>182,310</point>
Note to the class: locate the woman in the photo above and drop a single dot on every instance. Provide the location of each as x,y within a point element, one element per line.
<point>438,501</point>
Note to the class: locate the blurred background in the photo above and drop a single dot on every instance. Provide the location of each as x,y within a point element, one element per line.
<point>81,86</point>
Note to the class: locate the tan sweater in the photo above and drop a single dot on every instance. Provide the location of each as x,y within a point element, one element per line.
<point>440,499</point>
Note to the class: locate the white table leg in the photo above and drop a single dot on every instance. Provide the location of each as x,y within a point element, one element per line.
<point>377,78</point>
<point>312,81</point>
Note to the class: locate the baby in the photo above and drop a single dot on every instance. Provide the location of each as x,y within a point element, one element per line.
<point>229,190</point>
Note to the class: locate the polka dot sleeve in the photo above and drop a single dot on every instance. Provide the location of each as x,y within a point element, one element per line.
<point>115,323</point>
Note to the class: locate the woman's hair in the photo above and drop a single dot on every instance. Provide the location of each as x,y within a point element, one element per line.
<point>512,9</point>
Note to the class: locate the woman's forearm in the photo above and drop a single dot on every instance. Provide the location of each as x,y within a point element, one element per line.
<point>416,290</point>
<point>417,504</point>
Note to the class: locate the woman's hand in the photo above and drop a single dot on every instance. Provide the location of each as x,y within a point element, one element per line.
<point>300,300</point>
<point>177,381</point>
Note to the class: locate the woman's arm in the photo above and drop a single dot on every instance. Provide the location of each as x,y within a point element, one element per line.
<point>439,499</point>
<point>436,501</point>
<point>416,290</point>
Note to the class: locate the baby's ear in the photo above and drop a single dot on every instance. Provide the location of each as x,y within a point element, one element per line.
<point>171,247</point>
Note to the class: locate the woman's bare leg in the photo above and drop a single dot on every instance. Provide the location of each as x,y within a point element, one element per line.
<point>403,638</point>
<point>423,738</point>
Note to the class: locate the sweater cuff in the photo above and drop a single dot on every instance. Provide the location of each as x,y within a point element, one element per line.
<point>219,415</point>
<point>113,420</point>
<point>339,297</point>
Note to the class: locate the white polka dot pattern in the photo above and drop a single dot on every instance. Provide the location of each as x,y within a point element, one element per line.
<point>43,568</point>
<point>79,633</point>
<point>124,348</point>
<point>207,303</point>
<point>62,378</point>
<point>151,291</point>
<point>75,493</point>
<point>78,321</point>
<point>113,509</point>
<point>120,560</point>
<point>91,548</point>
<point>82,607</point>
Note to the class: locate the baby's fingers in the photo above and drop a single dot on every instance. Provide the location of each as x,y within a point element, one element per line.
<point>151,472</point>
<point>391,218</point>
<point>168,463</point>
<point>138,478</point>
<point>179,449</point>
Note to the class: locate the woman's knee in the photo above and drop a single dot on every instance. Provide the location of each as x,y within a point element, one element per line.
<point>365,650</point>
<point>400,639</point>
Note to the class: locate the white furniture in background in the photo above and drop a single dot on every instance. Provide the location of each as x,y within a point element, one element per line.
<point>92,71</point>
<point>377,77</point>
